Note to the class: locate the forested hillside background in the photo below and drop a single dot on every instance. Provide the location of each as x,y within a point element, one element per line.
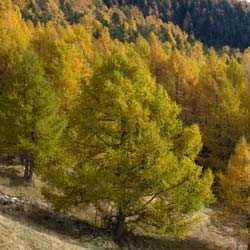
<point>119,107</point>
<point>214,22</point>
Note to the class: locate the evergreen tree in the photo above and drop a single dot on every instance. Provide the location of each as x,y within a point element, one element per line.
<point>29,114</point>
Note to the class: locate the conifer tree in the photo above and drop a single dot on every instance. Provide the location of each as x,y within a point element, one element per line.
<point>134,159</point>
<point>62,62</point>
<point>14,35</point>
<point>235,73</point>
<point>235,191</point>
<point>219,110</point>
<point>30,123</point>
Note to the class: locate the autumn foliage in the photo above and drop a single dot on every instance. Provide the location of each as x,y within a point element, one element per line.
<point>134,126</point>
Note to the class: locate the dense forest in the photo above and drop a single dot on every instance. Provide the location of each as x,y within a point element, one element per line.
<point>214,22</point>
<point>118,109</point>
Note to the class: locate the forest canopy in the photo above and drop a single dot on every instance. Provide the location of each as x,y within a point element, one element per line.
<point>215,23</point>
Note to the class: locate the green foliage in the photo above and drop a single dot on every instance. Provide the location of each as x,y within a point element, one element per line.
<point>235,73</point>
<point>29,111</point>
<point>134,158</point>
<point>14,35</point>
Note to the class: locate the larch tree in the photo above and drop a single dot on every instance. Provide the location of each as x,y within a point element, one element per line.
<point>55,14</point>
<point>62,62</point>
<point>235,191</point>
<point>14,35</point>
<point>143,48</point>
<point>228,119</point>
<point>134,159</point>
<point>245,89</point>
<point>235,73</point>
<point>245,64</point>
<point>30,121</point>
<point>180,78</point>
<point>206,97</point>
<point>228,123</point>
<point>158,59</point>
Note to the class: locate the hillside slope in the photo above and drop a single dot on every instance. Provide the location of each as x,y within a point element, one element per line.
<point>36,227</point>
<point>18,236</point>
<point>215,23</point>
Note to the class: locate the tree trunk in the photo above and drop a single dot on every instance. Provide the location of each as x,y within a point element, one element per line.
<point>119,227</point>
<point>248,227</point>
<point>22,160</point>
<point>28,169</point>
<point>31,169</point>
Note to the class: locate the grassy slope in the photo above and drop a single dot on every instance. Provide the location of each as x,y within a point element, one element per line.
<point>33,231</point>
<point>18,236</point>
<point>11,183</point>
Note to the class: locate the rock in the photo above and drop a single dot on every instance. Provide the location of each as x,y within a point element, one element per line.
<point>4,199</point>
<point>15,200</point>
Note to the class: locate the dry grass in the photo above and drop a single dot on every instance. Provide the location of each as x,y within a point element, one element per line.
<point>34,231</point>
<point>207,232</point>
<point>12,183</point>
<point>17,236</point>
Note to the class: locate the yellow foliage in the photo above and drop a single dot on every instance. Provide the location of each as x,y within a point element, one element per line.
<point>63,61</point>
<point>14,35</point>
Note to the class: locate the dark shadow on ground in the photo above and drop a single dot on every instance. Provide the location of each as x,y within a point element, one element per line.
<point>149,243</point>
<point>37,217</point>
